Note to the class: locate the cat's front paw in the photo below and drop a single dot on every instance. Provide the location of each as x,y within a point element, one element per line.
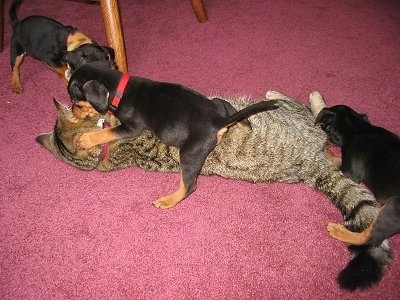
<point>85,141</point>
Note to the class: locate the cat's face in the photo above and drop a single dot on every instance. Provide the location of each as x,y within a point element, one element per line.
<point>61,142</point>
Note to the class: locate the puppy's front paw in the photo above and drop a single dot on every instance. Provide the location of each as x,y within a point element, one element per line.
<point>165,202</point>
<point>83,109</point>
<point>85,141</point>
<point>17,89</point>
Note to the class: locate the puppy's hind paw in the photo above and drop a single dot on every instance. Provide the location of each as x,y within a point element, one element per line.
<point>167,201</point>
<point>335,229</point>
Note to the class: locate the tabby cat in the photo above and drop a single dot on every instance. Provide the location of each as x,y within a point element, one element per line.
<point>284,145</point>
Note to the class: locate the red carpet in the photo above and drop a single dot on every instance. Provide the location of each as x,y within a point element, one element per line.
<point>71,234</point>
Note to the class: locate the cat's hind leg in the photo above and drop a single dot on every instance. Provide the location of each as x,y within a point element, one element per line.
<point>275,95</point>
<point>317,102</point>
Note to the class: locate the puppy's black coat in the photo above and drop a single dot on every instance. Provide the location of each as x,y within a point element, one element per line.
<point>370,154</point>
<point>47,40</point>
<point>179,116</point>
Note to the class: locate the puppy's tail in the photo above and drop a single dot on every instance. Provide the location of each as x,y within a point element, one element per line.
<point>249,111</point>
<point>13,12</point>
<point>366,268</point>
<point>368,263</point>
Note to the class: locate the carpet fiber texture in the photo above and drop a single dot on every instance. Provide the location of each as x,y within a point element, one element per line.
<point>72,234</point>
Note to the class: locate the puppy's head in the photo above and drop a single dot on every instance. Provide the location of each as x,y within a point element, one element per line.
<point>340,123</point>
<point>93,91</point>
<point>89,53</point>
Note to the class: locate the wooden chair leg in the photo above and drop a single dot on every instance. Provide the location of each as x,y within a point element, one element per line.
<point>199,10</point>
<point>114,34</point>
<point>1,25</point>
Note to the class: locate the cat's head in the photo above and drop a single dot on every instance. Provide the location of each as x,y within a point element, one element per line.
<point>61,141</point>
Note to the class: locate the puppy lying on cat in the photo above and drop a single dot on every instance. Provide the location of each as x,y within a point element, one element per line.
<point>177,115</point>
<point>284,145</point>
<point>370,154</point>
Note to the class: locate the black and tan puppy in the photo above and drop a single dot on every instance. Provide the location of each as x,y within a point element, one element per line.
<point>371,155</point>
<point>49,41</point>
<point>177,115</point>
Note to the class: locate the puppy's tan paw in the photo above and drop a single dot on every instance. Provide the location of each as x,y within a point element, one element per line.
<point>336,230</point>
<point>165,202</point>
<point>85,141</point>
<point>17,89</point>
<point>83,109</point>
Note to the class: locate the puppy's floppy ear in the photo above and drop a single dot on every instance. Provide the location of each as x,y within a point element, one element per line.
<point>75,93</point>
<point>73,58</point>
<point>97,94</point>
<point>328,121</point>
<point>325,117</point>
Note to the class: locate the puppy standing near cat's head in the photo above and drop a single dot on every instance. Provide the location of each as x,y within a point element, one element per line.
<point>370,154</point>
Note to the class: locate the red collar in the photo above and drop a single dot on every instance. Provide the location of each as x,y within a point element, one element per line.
<point>119,92</point>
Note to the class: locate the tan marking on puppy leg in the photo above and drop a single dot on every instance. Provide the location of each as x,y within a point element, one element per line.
<point>341,233</point>
<point>243,126</point>
<point>61,73</point>
<point>93,138</point>
<point>171,200</point>
<point>336,160</point>
<point>76,39</point>
<point>16,86</point>
<point>220,133</point>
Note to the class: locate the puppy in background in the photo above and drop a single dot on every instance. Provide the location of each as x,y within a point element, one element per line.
<point>370,154</point>
<point>49,41</point>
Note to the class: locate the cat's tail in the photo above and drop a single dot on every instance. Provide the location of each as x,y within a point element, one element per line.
<point>358,207</point>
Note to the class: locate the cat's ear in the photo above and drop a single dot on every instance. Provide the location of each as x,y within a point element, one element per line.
<point>64,113</point>
<point>46,140</point>
<point>97,94</point>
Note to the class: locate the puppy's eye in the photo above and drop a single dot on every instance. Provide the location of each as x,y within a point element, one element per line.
<point>325,127</point>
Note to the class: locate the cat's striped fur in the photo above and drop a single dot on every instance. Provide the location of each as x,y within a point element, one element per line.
<point>283,146</point>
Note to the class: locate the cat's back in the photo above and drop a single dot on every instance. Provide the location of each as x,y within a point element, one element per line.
<point>279,147</point>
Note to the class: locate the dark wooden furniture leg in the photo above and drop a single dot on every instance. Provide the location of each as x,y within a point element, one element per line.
<point>1,25</point>
<point>199,10</point>
<point>114,34</point>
